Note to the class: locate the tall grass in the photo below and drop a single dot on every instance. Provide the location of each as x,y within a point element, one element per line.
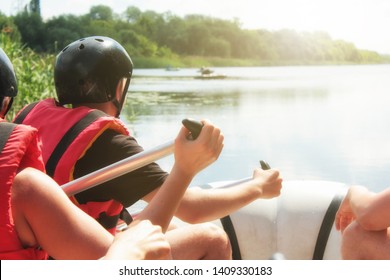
<point>34,73</point>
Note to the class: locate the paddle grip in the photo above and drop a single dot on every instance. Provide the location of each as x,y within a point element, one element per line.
<point>264,165</point>
<point>193,126</point>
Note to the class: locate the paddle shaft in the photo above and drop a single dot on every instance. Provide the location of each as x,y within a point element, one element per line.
<point>117,169</point>
<point>264,165</point>
<point>127,165</point>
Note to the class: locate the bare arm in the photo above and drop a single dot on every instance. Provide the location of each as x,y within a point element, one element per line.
<point>190,158</point>
<point>371,210</point>
<point>202,205</point>
<point>44,215</point>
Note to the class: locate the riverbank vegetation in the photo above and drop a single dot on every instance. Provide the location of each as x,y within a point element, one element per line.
<point>34,73</point>
<point>164,39</point>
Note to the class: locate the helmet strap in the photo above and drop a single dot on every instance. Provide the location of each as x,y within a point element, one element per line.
<point>118,107</point>
<point>6,104</point>
<point>120,96</point>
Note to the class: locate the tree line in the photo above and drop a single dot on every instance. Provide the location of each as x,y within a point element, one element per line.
<point>150,34</point>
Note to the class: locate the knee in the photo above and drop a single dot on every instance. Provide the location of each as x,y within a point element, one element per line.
<point>352,242</point>
<point>220,240</point>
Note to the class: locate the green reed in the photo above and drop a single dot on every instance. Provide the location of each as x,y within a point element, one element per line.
<point>34,73</point>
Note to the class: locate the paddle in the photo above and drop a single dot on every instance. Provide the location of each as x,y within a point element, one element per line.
<point>128,164</point>
<point>264,165</point>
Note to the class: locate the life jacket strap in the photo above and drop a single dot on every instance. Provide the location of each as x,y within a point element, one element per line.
<point>6,131</point>
<point>23,114</point>
<point>68,138</point>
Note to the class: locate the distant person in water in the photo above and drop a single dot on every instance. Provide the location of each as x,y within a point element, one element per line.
<point>205,71</point>
<point>364,220</point>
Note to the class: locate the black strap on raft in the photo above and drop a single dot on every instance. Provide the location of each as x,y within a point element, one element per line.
<point>326,226</point>
<point>23,114</point>
<point>125,216</point>
<point>109,222</point>
<point>229,229</point>
<point>106,221</point>
<point>228,226</point>
<point>68,138</point>
<point>6,130</point>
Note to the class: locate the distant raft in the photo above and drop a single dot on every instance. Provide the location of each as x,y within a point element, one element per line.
<point>208,74</point>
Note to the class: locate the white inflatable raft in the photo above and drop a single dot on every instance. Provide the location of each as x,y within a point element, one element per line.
<point>299,224</point>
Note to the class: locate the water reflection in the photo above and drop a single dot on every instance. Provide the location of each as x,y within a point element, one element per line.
<point>152,103</point>
<point>327,123</point>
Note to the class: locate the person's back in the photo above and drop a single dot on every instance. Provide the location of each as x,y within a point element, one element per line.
<point>15,141</point>
<point>63,145</point>
<point>82,75</point>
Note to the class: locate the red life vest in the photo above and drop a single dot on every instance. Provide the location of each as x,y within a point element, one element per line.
<point>15,141</point>
<point>66,135</point>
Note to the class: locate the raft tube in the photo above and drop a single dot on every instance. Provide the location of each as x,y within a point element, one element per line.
<point>298,225</point>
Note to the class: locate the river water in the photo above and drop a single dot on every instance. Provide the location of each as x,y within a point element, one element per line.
<point>310,122</point>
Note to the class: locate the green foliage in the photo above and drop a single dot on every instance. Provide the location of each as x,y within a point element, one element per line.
<point>61,31</point>
<point>34,73</point>
<point>7,26</point>
<point>151,38</point>
<point>101,12</point>
<point>32,30</point>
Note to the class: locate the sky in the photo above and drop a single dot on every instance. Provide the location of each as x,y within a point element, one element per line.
<point>366,23</point>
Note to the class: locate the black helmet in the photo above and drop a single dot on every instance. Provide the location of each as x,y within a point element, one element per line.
<point>8,85</point>
<point>89,70</point>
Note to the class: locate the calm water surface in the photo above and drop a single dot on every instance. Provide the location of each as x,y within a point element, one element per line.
<point>320,122</point>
